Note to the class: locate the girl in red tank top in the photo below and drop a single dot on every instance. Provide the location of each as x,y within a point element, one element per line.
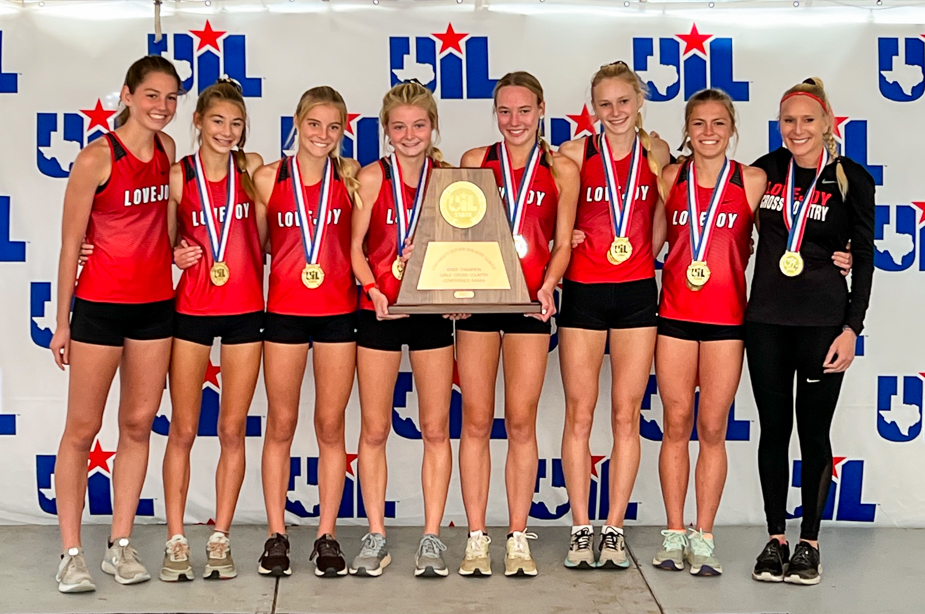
<point>700,337</point>
<point>539,190</point>
<point>123,313</point>
<point>609,294</point>
<point>306,203</point>
<point>391,196</point>
<point>220,294</point>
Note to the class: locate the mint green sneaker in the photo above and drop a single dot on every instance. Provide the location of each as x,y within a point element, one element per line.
<point>671,556</point>
<point>700,555</point>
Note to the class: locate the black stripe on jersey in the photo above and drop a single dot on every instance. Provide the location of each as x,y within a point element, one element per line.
<point>736,179</point>
<point>189,173</point>
<point>283,172</point>
<point>118,152</point>
<point>590,147</point>
<point>386,169</point>
<point>494,155</point>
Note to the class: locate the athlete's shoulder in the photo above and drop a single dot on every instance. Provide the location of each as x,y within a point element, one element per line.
<point>565,166</point>
<point>473,158</point>
<point>856,172</point>
<point>267,172</point>
<point>573,150</point>
<point>670,172</point>
<point>254,161</point>
<point>754,175</point>
<point>661,151</point>
<point>170,147</point>
<point>351,165</point>
<point>371,174</point>
<point>94,159</point>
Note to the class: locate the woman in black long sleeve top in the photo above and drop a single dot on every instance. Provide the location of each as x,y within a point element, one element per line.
<point>802,318</point>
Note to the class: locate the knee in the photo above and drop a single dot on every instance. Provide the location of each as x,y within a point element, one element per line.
<point>81,436</point>
<point>678,426</point>
<point>329,430</point>
<point>182,435</point>
<point>375,435</point>
<point>477,425</point>
<point>712,432</point>
<point>578,423</point>
<point>231,436</point>
<point>626,422</point>
<point>521,431</point>
<point>281,429</point>
<point>435,433</point>
<point>136,430</point>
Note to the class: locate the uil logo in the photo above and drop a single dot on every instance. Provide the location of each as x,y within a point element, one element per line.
<point>562,129</point>
<point>550,500</point>
<point>703,64</point>
<point>361,138</point>
<point>99,484</point>
<point>901,62</point>
<point>897,229</point>
<point>460,67</point>
<point>844,501</point>
<point>9,81</point>
<point>899,418</point>
<point>736,429</point>
<point>59,137</point>
<point>202,61</point>
<point>302,496</point>
<point>10,251</point>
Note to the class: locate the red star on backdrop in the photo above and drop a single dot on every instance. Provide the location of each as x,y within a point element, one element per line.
<point>594,461</point>
<point>921,206</point>
<point>836,461</point>
<point>350,117</point>
<point>99,458</point>
<point>212,372</point>
<point>584,121</point>
<point>450,39</point>
<point>350,459</point>
<point>98,116</point>
<point>694,40</point>
<point>208,37</point>
<point>455,373</point>
<point>837,127</point>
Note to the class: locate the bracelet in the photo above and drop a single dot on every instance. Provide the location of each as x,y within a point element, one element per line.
<point>368,287</point>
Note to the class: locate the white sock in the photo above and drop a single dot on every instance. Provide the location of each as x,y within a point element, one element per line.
<point>612,529</point>
<point>578,527</point>
<point>476,533</point>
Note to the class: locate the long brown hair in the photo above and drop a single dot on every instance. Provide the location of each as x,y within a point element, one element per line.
<point>138,72</point>
<point>522,78</point>
<point>701,97</point>
<point>226,90</point>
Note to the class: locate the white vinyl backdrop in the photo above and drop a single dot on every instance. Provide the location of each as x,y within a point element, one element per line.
<point>57,63</point>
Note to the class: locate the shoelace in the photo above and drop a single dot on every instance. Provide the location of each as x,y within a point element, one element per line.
<point>521,548</point>
<point>277,547</point>
<point>581,540</point>
<point>771,552</point>
<point>328,548</point>
<point>127,554</point>
<point>674,540</point>
<point>803,554</point>
<point>179,550</point>
<point>432,546</point>
<point>699,544</point>
<point>372,543</point>
<point>218,547</point>
<point>611,541</point>
<point>477,546</point>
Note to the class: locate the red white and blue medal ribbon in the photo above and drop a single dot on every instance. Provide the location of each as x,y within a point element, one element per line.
<point>698,273</point>
<point>217,242</point>
<point>621,201</point>
<point>797,211</point>
<point>312,234</point>
<point>516,201</point>
<point>407,222</point>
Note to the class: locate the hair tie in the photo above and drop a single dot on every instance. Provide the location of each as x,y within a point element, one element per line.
<point>822,103</point>
<point>810,81</point>
<point>226,79</point>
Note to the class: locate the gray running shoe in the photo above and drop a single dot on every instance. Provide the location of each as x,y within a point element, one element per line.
<point>613,551</point>
<point>671,556</point>
<point>176,566</point>
<point>73,575</point>
<point>122,562</point>
<point>700,555</point>
<point>581,550</point>
<point>428,561</point>
<point>373,557</point>
<point>219,565</point>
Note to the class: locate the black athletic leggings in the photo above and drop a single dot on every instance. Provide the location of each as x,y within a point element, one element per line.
<point>775,352</point>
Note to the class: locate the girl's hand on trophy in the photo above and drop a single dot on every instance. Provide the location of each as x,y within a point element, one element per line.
<point>547,305</point>
<point>381,305</point>
<point>578,237</point>
<point>456,316</point>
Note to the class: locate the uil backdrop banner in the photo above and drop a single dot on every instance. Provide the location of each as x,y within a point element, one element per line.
<point>59,79</point>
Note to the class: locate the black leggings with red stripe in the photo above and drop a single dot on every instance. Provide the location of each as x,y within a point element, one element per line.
<point>775,354</point>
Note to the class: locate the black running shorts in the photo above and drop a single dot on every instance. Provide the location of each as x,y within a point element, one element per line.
<point>112,323</point>
<point>233,330</point>
<point>418,332</point>
<point>631,304</point>
<point>279,328</point>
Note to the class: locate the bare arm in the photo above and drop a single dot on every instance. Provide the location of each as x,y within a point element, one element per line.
<point>473,158</point>
<point>567,181</point>
<point>264,177</point>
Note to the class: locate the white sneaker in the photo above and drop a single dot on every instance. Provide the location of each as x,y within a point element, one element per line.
<point>477,561</point>
<point>518,561</point>
<point>176,566</point>
<point>220,565</point>
<point>73,575</point>
<point>581,549</point>
<point>122,562</point>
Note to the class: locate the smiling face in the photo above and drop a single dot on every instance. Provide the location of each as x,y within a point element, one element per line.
<point>221,126</point>
<point>320,130</point>
<point>710,128</point>
<point>803,123</point>
<point>616,105</point>
<point>410,130</point>
<point>519,114</point>
<point>154,102</point>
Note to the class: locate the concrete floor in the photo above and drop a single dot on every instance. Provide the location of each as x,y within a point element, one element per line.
<point>882,585</point>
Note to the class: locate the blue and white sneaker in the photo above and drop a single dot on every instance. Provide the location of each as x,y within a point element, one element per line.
<point>700,555</point>
<point>671,556</point>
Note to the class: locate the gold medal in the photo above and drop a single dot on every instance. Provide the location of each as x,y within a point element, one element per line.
<point>698,274</point>
<point>620,250</point>
<point>312,276</point>
<point>791,264</point>
<point>219,273</point>
<point>520,244</point>
<point>398,268</point>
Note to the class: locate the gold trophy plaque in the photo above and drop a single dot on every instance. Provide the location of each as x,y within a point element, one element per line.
<point>464,259</point>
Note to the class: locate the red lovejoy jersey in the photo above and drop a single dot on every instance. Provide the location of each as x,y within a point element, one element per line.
<point>243,292</point>
<point>589,264</point>
<point>128,229</point>
<point>337,294</point>
<point>722,299</point>
<point>539,218</point>
<point>382,236</point>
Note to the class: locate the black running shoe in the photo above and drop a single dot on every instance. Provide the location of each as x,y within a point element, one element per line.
<point>805,567</point>
<point>328,559</point>
<point>275,558</point>
<point>771,562</point>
